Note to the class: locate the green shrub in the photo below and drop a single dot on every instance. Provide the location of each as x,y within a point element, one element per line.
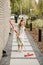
<point>34,25</point>
<point>27,25</point>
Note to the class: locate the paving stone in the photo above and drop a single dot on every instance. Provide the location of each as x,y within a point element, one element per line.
<point>24,62</point>
<point>14,43</point>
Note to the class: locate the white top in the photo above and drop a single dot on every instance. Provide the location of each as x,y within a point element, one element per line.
<point>22,31</point>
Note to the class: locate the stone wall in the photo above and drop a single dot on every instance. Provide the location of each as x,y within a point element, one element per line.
<point>4,23</point>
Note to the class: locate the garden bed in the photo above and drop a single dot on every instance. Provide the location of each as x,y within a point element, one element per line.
<point>34,34</point>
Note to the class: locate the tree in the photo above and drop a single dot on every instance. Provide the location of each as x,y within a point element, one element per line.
<point>15,6</point>
<point>24,6</point>
<point>40,6</point>
<point>12,5</point>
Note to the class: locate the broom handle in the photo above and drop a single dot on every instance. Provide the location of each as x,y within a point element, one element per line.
<point>12,26</point>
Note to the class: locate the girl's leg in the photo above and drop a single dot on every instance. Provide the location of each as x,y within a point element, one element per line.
<point>20,44</point>
<point>18,47</point>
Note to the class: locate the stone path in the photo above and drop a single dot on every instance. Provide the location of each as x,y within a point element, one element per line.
<point>17,58</point>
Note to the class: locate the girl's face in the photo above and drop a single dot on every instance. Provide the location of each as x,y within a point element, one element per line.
<point>22,23</point>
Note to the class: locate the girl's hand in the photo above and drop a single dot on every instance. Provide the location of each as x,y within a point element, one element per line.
<point>17,34</point>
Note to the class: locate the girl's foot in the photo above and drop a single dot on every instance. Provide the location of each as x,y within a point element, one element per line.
<point>21,47</point>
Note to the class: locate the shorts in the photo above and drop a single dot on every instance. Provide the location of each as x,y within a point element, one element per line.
<point>19,41</point>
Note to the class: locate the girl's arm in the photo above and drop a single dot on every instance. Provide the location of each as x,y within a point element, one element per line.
<point>24,28</point>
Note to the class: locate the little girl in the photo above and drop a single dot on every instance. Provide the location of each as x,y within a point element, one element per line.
<point>20,35</point>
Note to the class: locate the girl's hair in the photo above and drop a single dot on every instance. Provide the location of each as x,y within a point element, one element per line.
<point>20,23</point>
